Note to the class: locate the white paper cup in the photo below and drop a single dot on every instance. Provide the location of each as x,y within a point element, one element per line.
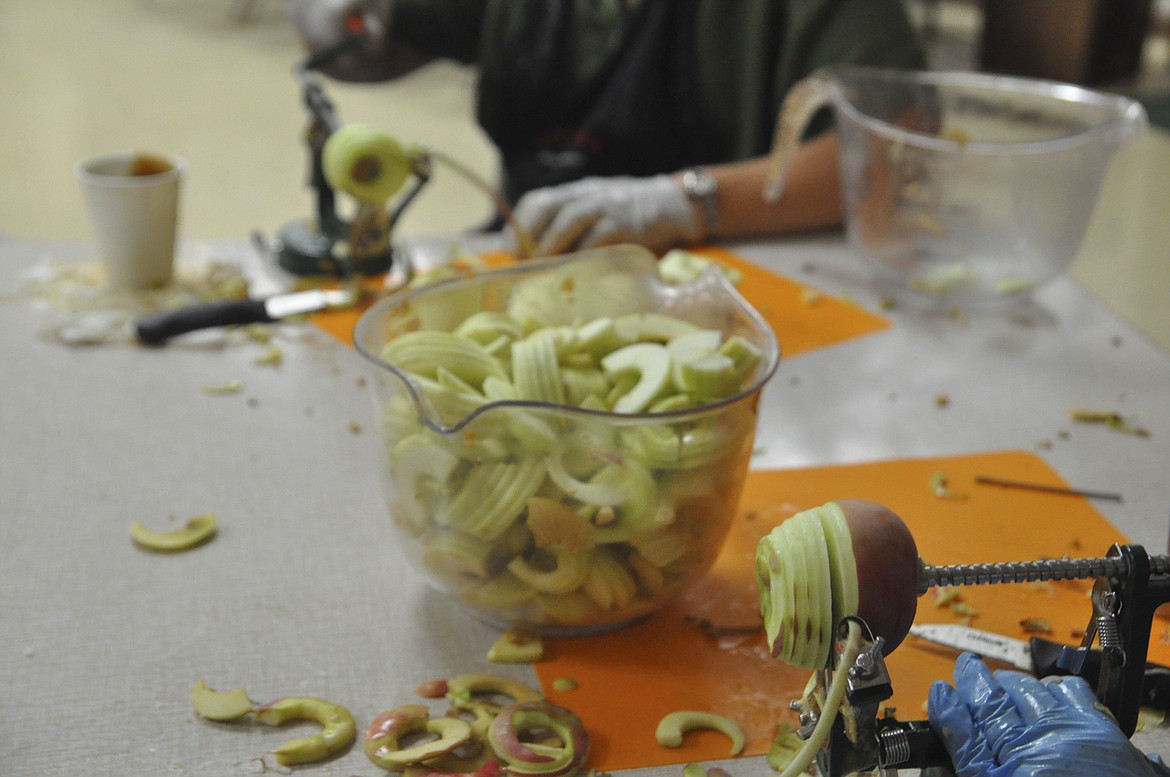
<point>133,203</point>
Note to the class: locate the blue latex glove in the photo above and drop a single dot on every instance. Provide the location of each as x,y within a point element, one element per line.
<point>1009,724</point>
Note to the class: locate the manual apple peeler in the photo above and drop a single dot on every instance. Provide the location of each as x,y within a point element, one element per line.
<point>382,175</point>
<point>1130,585</point>
<point>327,243</point>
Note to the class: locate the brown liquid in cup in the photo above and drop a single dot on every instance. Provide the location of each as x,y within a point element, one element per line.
<point>145,164</point>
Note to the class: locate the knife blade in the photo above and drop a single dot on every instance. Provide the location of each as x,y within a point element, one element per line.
<point>157,328</point>
<point>1039,656</point>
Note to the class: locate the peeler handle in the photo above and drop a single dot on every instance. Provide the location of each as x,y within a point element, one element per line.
<point>1053,658</point>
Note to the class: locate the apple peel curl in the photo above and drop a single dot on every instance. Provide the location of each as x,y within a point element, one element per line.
<point>338,730</point>
<point>385,733</point>
<point>472,692</point>
<point>532,758</point>
<point>489,766</point>
<point>674,724</point>
<point>197,531</point>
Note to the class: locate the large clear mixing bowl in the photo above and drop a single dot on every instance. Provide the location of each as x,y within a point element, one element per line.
<point>575,515</point>
<point>962,187</point>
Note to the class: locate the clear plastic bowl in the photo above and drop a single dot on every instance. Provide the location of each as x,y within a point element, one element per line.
<point>962,187</point>
<point>551,516</point>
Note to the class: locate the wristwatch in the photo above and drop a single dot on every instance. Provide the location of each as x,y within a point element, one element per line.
<point>700,186</point>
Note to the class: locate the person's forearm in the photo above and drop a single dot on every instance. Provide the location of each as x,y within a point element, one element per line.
<point>811,198</point>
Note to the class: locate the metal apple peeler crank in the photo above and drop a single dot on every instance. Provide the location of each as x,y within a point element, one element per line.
<point>1130,585</point>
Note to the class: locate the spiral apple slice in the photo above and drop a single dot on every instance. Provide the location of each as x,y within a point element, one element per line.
<point>819,624</point>
<point>872,572</point>
<point>797,551</point>
<point>794,571</point>
<point>842,565</point>
<point>776,580</point>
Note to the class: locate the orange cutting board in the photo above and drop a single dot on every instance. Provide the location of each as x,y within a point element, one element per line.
<point>629,679</point>
<point>802,317</point>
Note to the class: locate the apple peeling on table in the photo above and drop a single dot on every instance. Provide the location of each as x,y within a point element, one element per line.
<point>674,724</point>
<point>80,309</point>
<point>481,692</point>
<point>383,740</point>
<point>225,706</point>
<point>495,741</point>
<point>517,646</point>
<point>507,737</point>
<point>337,732</point>
<point>197,531</point>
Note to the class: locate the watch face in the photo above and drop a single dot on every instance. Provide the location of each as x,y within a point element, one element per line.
<point>699,183</point>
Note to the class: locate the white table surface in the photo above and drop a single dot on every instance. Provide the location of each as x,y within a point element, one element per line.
<point>301,593</point>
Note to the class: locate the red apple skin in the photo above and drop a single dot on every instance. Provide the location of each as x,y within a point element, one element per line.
<point>887,569</point>
<point>491,767</point>
<point>505,740</point>
<point>397,722</point>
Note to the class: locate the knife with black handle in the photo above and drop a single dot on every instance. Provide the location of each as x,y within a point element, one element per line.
<point>157,328</point>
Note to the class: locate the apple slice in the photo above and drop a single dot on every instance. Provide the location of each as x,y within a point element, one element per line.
<point>820,622</point>
<point>842,565</point>
<point>651,362</point>
<point>214,705</point>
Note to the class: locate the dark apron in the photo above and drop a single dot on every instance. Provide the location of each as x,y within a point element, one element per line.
<point>636,116</point>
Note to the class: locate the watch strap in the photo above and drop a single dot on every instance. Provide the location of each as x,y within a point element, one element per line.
<point>703,190</point>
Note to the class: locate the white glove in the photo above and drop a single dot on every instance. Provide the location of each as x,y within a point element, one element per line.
<point>325,23</point>
<point>654,212</point>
